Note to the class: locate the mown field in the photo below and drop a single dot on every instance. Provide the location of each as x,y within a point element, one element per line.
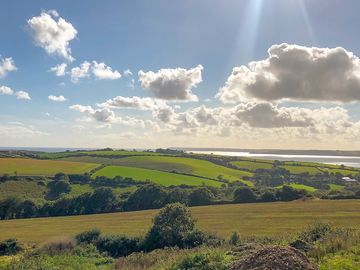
<point>159,177</point>
<point>258,219</point>
<point>303,187</point>
<point>23,189</point>
<point>24,166</point>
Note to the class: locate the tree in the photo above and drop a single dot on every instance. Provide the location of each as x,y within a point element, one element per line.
<point>287,193</point>
<point>170,227</point>
<point>61,177</point>
<point>149,196</point>
<point>244,195</point>
<point>268,196</point>
<point>200,196</point>
<point>57,187</point>
<point>179,195</point>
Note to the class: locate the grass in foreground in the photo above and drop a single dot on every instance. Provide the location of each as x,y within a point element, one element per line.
<point>158,177</point>
<point>258,219</point>
<point>23,166</point>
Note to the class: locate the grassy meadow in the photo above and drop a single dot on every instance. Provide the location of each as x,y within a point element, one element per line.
<point>100,153</point>
<point>258,219</point>
<point>34,167</point>
<point>197,167</point>
<point>158,177</point>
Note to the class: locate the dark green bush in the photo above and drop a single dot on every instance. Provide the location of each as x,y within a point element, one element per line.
<point>10,247</point>
<point>88,236</point>
<point>118,245</point>
<point>244,195</point>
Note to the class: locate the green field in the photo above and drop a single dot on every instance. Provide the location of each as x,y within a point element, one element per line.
<point>23,166</point>
<point>251,165</point>
<point>192,166</point>
<point>301,169</point>
<point>158,177</point>
<point>22,189</point>
<point>115,153</point>
<point>336,187</point>
<point>301,187</point>
<point>258,219</point>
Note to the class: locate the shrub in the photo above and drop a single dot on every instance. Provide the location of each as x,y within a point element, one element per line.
<point>234,239</point>
<point>58,245</point>
<point>315,232</point>
<point>211,260</point>
<point>10,247</point>
<point>118,246</point>
<point>88,236</point>
<point>268,197</point>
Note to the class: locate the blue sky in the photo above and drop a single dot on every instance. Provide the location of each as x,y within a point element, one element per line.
<point>155,35</point>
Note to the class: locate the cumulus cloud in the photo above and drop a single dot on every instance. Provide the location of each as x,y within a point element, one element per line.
<point>101,115</point>
<point>57,98</point>
<point>59,70</point>
<point>298,73</point>
<point>133,103</point>
<point>266,115</point>
<point>53,33</point>
<point>80,72</point>
<point>4,90</point>
<point>172,84</point>
<point>104,72</point>
<point>99,71</point>
<point>6,65</point>
<point>22,95</point>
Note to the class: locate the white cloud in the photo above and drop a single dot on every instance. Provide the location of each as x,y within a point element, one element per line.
<point>266,115</point>
<point>133,102</point>
<point>22,95</point>
<point>104,72</point>
<point>19,131</point>
<point>172,84</point>
<point>57,98</point>
<point>59,70</point>
<point>299,73</point>
<point>6,65</point>
<point>4,90</point>
<point>80,72</point>
<point>128,73</point>
<point>101,115</point>
<point>53,35</point>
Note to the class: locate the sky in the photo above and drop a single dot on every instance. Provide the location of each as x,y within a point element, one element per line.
<point>279,74</point>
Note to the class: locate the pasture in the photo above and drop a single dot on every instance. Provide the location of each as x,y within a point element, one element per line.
<point>197,167</point>
<point>301,187</point>
<point>257,219</point>
<point>158,177</point>
<point>35,167</point>
<point>100,153</point>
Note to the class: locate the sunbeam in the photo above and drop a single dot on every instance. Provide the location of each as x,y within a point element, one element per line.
<point>248,31</point>
<point>307,21</point>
